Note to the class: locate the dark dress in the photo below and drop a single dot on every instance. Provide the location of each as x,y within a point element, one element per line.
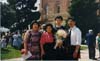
<point>33,41</point>
<point>60,53</point>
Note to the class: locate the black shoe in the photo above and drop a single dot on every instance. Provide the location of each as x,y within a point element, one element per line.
<point>94,59</point>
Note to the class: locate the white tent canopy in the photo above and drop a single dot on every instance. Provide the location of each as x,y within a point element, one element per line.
<point>3,29</point>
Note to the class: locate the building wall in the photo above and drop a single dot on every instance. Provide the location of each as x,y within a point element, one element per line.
<point>49,9</point>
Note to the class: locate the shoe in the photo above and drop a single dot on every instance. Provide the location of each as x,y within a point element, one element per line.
<point>94,59</point>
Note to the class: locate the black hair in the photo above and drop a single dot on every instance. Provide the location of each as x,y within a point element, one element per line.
<point>59,17</point>
<point>34,22</point>
<point>50,26</point>
<point>16,32</point>
<point>71,18</point>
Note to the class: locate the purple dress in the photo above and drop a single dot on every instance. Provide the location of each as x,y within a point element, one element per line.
<point>33,44</point>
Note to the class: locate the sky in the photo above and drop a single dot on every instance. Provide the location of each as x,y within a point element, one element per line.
<point>37,3</point>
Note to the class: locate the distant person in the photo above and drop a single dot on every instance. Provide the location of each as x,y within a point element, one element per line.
<point>98,43</point>
<point>90,39</point>
<point>15,40</point>
<point>20,40</point>
<point>42,28</point>
<point>3,42</point>
<point>7,36</point>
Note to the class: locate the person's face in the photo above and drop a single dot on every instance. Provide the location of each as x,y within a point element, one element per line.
<point>49,29</point>
<point>58,21</point>
<point>99,34</point>
<point>35,27</point>
<point>71,23</point>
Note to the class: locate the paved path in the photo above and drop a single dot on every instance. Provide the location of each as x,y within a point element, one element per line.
<point>84,56</point>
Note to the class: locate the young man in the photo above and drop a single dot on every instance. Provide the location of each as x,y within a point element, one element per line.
<point>60,52</point>
<point>73,41</point>
<point>58,23</point>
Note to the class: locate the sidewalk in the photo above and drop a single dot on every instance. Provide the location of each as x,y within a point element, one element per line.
<point>84,56</point>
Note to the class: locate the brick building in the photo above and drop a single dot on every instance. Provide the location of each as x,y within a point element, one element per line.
<point>51,8</point>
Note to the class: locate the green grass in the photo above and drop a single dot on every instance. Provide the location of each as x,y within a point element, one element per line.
<point>9,53</point>
<point>83,47</point>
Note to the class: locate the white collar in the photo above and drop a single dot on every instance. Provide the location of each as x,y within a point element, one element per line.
<point>58,26</point>
<point>73,28</point>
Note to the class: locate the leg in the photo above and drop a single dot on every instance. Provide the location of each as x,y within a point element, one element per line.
<point>89,51</point>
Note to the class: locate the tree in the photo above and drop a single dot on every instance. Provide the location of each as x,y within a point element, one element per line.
<point>17,14</point>
<point>84,11</point>
<point>25,12</point>
<point>8,15</point>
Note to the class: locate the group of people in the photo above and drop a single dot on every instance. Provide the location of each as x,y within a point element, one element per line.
<point>41,44</point>
<point>93,42</point>
<point>14,39</point>
<point>41,41</point>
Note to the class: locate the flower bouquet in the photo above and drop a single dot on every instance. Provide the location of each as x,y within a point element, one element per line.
<point>60,35</point>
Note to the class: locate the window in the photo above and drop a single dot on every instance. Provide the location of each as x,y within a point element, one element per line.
<point>46,9</point>
<point>58,9</point>
<point>58,6</point>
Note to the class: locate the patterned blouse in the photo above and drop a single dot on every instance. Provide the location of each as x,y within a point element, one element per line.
<point>33,43</point>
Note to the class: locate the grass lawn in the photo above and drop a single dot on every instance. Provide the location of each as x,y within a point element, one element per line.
<point>83,47</point>
<point>9,53</point>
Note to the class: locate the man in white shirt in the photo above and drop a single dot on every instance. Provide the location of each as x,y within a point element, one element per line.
<point>73,41</point>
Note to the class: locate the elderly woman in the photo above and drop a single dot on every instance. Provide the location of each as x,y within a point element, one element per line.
<point>32,41</point>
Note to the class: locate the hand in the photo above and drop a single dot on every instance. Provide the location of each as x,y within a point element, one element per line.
<point>26,51</point>
<point>96,46</point>
<point>75,54</point>
<point>60,42</point>
<point>42,53</point>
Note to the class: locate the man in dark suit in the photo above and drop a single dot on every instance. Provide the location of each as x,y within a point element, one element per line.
<point>91,42</point>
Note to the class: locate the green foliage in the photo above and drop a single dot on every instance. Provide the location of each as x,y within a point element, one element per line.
<point>24,12</point>
<point>8,15</point>
<point>17,14</point>
<point>84,11</point>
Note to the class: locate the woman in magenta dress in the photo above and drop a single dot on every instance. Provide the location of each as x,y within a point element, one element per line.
<point>32,42</point>
<point>47,42</point>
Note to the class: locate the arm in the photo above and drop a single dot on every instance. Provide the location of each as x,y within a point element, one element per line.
<point>42,42</point>
<point>97,42</point>
<point>25,41</point>
<point>79,40</point>
<point>78,43</point>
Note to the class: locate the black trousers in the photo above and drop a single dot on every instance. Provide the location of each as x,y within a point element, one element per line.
<point>70,51</point>
<point>91,50</point>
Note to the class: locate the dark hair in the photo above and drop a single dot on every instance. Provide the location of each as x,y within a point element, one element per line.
<point>71,18</point>
<point>16,32</point>
<point>59,17</point>
<point>34,22</point>
<point>50,26</point>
